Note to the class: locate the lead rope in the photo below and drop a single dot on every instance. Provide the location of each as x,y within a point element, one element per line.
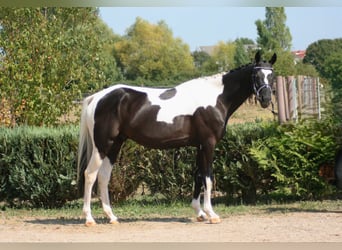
<point>273,112</point>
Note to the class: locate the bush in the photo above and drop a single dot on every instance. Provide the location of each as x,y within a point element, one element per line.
<point>294,157</point>
<point>37,165</point>
<point>252,161</point>
<point>237,174</point>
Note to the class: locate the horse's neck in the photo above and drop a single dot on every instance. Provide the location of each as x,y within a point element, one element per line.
<point>236,93</point>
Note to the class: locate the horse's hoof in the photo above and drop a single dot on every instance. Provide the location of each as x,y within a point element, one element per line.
<point>214,220</point>
<point>201,218</point>
<point>90,223</point>
<point>114,222</point>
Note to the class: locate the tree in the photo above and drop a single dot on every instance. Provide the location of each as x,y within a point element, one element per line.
<point>200,58</point>
<point>49,57</point>
<point>273,34</point>
<point>320,51</point>
<point>243,55</point>
<point>332,69</point>
<point>326,56</point>
<point>223,55</point>
<point>305,69</point>
<point>150,52</point>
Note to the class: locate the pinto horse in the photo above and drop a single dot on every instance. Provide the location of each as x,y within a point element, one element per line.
<point>194,113</point>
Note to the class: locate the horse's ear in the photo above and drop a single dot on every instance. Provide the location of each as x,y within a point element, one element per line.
<point>273,59</point>
<point>258,56</point>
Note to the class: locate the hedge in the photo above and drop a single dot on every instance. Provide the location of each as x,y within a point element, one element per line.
<point>253,161</point>
<point>37,165</point>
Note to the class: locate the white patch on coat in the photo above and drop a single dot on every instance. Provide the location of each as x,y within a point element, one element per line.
<point>190,95</point>
<point>266,73</point>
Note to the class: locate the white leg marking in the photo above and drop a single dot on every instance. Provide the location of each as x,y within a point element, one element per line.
<point>213,217</point>
<point>196,205</point>
<point>103,180</point>
<point>90,175</point>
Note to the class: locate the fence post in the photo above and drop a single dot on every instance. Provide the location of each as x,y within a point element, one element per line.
<point>292,97</point>
<point>280,98</point>
<point>318,98</point>
<point>286,99</point>
<point>300,94</point>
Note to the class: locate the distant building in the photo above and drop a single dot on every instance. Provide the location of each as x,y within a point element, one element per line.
<point>210,49</point>
<point>251,47</point>
<point>298,55</point>
<point>207,49</point>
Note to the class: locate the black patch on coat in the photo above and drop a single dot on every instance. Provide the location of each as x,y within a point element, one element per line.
<point>168,94</point>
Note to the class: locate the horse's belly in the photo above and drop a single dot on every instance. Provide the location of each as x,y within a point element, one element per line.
<point>155,134</point>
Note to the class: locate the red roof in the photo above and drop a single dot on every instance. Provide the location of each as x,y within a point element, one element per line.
<point>299,53</point>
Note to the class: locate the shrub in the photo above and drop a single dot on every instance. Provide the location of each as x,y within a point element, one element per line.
<point>237,174</point>
<point>294,156</point>
<point>253,160</point>
<point>37,165</point>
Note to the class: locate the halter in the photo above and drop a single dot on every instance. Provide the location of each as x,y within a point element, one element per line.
<point>257,90</point>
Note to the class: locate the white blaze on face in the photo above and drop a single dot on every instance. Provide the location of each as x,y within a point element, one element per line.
<point>266,73</point>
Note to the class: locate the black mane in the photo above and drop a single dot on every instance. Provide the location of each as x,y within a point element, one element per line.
<point>240,67</point>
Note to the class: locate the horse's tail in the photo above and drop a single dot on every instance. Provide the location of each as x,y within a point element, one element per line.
<point>85,148</point>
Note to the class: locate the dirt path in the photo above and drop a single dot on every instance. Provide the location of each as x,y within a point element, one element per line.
<point>288,227</point>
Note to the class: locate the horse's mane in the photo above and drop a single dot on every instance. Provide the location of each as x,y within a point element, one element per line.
<point>240,68</point>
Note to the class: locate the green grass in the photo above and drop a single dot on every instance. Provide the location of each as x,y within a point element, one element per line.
<point>155,209</point>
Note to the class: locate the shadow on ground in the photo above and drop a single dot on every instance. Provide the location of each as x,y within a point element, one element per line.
<point>79,221</point>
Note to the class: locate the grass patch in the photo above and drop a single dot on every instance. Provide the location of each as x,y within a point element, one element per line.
<point>150,208</point>
<point>251,113</point>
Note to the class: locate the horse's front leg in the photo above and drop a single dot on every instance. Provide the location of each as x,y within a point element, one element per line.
<point>196,201</point>
<point>208,209</point>
<point>204,176</point>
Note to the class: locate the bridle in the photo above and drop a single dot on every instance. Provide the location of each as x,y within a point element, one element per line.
<point>266,85</point>
<point>257,90</point>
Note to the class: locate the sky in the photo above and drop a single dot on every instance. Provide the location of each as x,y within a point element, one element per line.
<point>204,26</point>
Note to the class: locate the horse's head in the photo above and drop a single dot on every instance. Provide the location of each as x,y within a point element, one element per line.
<point>262,78</point>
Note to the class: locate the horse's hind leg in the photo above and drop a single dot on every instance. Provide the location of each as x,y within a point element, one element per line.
<point>104,177</point>
<point>103,180</point>
<point>90,175</point>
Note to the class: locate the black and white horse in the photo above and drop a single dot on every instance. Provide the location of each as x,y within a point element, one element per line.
<point>194,113</point>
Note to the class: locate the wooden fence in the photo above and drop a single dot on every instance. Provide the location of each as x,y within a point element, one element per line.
<point>298,97</point>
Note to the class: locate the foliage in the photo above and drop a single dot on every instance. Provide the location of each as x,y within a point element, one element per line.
<point>252,161</point>
<point>223,56</point>
<point>37,165</point>
<point>236,172</point>
<point>294,156</point>
<point>126,175</point>
<point>242,55</point>
<point>305,69</point>
<point>326,56</point>
<point>151,52</point>
<point>49,56</point>
<point>274,37</point>
<point>285,63</point>
<point>169,172</point>
<point>273,34</point>
<point>319,52</point>
<point>200,59</point>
